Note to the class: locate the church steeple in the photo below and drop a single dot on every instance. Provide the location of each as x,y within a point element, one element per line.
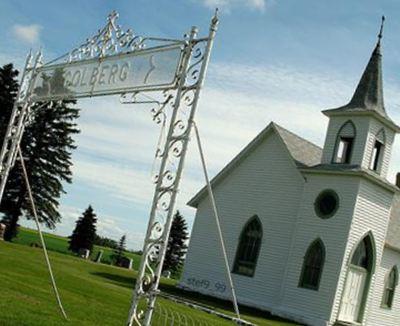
<point>369,92</point>
<point>368,95</point>
<point>360,134</point>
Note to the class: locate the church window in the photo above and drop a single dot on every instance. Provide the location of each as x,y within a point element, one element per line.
<point>248,248</point>
<point>344,143</point>
<point>313,265</point>
<point>361,257</point>
<point>326,203</point>
<point>377,151</point>
<point>390,287</point>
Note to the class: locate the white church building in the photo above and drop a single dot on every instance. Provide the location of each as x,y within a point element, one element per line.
<point>312,234</point>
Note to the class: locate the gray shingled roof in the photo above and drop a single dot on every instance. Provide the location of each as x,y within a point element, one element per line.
<point>393,234</point>
<point>368,95</point>
<point>303,152</point>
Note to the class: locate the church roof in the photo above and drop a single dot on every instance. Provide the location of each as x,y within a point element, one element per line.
<point>393,234</point>
<point>303,152</point>
<point>368,95</point>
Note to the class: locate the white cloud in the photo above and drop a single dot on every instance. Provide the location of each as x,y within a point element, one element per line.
<point>227,5</point>
<point>27,33</point>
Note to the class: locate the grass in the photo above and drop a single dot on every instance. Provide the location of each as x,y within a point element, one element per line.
<point>60,244</point>
<point>93,294</point>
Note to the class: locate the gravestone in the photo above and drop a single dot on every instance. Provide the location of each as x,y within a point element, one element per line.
<point>84,253</point>
<point>98,257</point>
<point>2,231</point>
<point>126,262</point>
<point>166,274</point>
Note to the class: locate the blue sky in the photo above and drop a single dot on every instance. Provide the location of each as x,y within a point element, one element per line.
<point>273,60</point>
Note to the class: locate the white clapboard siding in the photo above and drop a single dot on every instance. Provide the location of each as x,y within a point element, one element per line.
<point>315,306</point>
<point>377,314</point>
<point>371,215</point>
<point>267,184</point>
<point>374,128</point>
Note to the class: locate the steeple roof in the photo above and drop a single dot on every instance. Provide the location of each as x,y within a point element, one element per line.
<point>368,96</point>
<point>369,92</point>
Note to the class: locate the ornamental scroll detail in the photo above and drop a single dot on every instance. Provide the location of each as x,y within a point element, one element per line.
<point>109,40</point>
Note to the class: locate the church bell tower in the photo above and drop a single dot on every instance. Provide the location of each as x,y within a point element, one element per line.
<point>360,134</point>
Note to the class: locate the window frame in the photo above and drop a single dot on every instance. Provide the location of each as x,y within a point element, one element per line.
<point>375,162</point>
<point>388,300</point>
<point>237,262</point>
<point>319,197</point>
<point>339,138</point>
<point>347,150</point>
<point>302,283</point>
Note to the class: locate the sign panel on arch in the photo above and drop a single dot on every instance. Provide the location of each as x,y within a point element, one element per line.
<point>153,69</point>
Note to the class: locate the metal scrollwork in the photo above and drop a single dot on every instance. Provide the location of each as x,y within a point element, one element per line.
<point>176,111</point>
<point>194,69</point>
<point>109,40</point>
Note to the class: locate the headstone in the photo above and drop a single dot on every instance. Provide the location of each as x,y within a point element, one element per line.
<point>166,274</point>
<point>99,255</point>
<point>126,262</point>
<point>84,253</point>
<point>2,231</point>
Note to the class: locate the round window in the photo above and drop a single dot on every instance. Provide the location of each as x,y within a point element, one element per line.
<point>326,204</point>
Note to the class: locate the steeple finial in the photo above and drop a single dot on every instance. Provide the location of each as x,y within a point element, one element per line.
<point>381,29</point>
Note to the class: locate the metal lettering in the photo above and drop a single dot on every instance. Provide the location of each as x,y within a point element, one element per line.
<point>124,71</point>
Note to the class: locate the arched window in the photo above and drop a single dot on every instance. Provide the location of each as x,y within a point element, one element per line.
<point>390,287</point>
<point>377,150</point>
<point>363,255</point>
<point>313,265</point>
<point>248,248</point>
<point>344,143</point>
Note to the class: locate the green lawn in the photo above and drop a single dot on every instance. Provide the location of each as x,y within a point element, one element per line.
<point>60,244</point>
<point>93,294</point>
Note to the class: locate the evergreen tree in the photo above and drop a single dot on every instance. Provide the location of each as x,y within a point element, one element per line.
<point>84,235</point>
<point>46,146</point>
<point>176,248</point>
<point>118,255</point>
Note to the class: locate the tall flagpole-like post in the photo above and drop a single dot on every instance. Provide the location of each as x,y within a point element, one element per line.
<point>147,280</point>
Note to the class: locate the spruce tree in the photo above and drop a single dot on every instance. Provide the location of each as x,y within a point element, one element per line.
<point>118,255</point>
<point>177,247</point>
<point>46,146</point>
<point>84,234</point>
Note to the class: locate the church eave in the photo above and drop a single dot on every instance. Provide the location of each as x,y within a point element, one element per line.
<point>360,172</point>
<point>385,120</point>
